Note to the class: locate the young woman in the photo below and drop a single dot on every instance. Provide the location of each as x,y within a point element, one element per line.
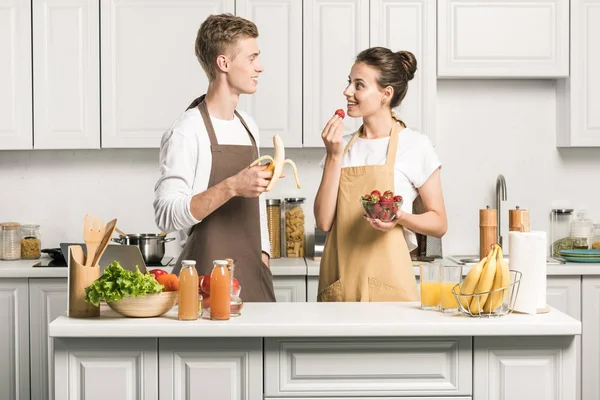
<point>365,259</point>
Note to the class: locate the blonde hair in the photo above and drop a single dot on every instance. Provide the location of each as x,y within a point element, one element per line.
<point>218,35</point>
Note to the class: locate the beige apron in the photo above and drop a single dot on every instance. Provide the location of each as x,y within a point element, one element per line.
<point>360,263</point>
<point>232,230</point>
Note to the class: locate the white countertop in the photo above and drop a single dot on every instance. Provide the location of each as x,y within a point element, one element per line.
<point>25,268</point>
<point>318,320</point>
<point>279,267</point>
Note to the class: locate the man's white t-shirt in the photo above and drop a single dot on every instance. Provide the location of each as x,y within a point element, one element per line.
<point>185,165</point>
<point>416,160</point>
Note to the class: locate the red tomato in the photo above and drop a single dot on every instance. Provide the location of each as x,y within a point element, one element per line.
<point>340,113</point>
<point>157,272</point>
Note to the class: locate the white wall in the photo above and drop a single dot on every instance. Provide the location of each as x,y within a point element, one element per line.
<point>484,128</point>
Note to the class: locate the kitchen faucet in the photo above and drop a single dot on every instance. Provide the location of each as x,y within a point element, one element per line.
<point>500,195</point>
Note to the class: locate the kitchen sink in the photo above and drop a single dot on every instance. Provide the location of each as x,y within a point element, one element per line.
<point>472,259</point>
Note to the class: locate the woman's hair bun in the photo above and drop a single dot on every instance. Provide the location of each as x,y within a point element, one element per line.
<point>409,62</point>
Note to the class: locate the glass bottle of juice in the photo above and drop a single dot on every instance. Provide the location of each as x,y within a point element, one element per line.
<point>188,291</point>
<point>220,291</point>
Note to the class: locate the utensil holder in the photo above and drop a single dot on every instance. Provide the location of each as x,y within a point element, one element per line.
<point>80,277</point>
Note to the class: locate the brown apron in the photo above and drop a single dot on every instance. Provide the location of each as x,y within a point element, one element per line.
<point>360,263</point>
<point>232,230</point>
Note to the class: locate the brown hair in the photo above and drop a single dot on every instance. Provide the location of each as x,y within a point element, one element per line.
<point>395,69</point>
<point>218,35</point>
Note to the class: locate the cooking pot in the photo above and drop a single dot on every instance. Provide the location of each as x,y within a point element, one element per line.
<point>152,245</point>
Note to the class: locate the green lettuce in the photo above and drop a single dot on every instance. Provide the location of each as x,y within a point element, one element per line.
<point>116,283</point>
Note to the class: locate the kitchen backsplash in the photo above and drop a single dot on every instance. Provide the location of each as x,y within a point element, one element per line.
<point>484,128</point>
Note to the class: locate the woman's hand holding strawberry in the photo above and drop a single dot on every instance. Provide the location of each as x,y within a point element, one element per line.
<point>332,136</point>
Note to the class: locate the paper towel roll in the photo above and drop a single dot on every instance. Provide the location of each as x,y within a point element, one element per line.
<point>528,256</point>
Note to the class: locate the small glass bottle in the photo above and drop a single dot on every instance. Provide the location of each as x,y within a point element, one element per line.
<point>11,241</point>
<point>220,291</point>
<point>30,242</point>
<point>236,302</point>
<point>581,230</point>
<point>188,291</point>
<point>561,230</point>
<point>295,244</point>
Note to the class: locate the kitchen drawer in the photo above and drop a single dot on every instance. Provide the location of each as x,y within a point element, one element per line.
<point>368,367</point>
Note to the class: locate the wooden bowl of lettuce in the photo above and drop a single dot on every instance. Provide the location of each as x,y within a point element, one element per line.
<point>131,294</point>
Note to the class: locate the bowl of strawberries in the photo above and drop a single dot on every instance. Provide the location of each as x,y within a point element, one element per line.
<point>381,206</point>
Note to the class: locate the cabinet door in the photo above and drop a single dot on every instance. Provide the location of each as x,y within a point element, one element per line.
<point>590,354</point>
<point>410,25</point>
<point>312,288</point>
<point>524,368</point>
<point>149,69</point>
<point>564,294</point>
<point>224,369</point>
<point>290,288</point>
<point>578,98</point>
<point>334,33</point>
<point>48,301</point>
<point>15,75</point>
<point>66,73</point>
<point>503,38</point>
<point>98,368</point>
<point>14,339</point>
<point>277,104</point>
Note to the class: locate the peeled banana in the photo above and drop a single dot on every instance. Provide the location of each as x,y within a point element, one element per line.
<point>276,163</point>
<point>501,280</point>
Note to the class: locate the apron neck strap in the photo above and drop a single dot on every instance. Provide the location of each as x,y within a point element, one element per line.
<point>201,104</point>
<point>390,159</point>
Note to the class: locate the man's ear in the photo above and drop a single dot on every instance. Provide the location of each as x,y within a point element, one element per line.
<point>223,63</point>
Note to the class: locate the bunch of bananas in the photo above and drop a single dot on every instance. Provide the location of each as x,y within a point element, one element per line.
<point>490,273</point>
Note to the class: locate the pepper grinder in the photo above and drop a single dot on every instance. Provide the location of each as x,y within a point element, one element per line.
<point>488,230</point>
<point>518,220</point>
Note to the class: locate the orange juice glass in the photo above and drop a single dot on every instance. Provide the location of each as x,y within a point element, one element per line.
<point>430,286</point>
<point>451,276</point>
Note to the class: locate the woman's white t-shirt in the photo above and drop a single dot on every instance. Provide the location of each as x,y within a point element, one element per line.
<point>416,160</point>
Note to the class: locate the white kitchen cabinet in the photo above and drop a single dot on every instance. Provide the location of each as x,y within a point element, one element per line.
<point>578,98</point>
<point>116,369</point>
<point>590,358</point>
<point>335,31</point>
<point>14,339</point>
<point>149,70</point>
<point>15,75</point>
<point>312,288</point>
<point>66,74</point>
<point>503,38</point>
<point>290,288</point>
<point>296,367</point>
<point>524,368</point>
<point>411,25</point>
<point>277,104</point>
<point>48,301</point>
<point>211,368</point>
<point>564,294</point>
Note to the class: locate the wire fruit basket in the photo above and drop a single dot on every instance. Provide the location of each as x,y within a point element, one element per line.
<point>495,303</point>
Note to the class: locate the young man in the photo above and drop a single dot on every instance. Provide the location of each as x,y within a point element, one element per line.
<point>206,189</point>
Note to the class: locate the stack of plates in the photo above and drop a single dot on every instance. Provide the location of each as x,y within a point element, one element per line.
<point>581,256</point>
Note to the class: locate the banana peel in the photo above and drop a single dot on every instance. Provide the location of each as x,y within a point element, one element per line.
<point>276,163</point>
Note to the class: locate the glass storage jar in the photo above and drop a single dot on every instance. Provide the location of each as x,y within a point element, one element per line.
<point>561,230</point>
<point>596,237</point>
<point>581,230</point>
<point>295,242</point>
<point>10,248</point>
<point>31,243</point>
<point>274,225</point>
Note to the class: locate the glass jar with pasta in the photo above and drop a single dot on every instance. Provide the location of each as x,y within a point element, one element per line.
<point>30,242</point>
<point>294,232</point>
